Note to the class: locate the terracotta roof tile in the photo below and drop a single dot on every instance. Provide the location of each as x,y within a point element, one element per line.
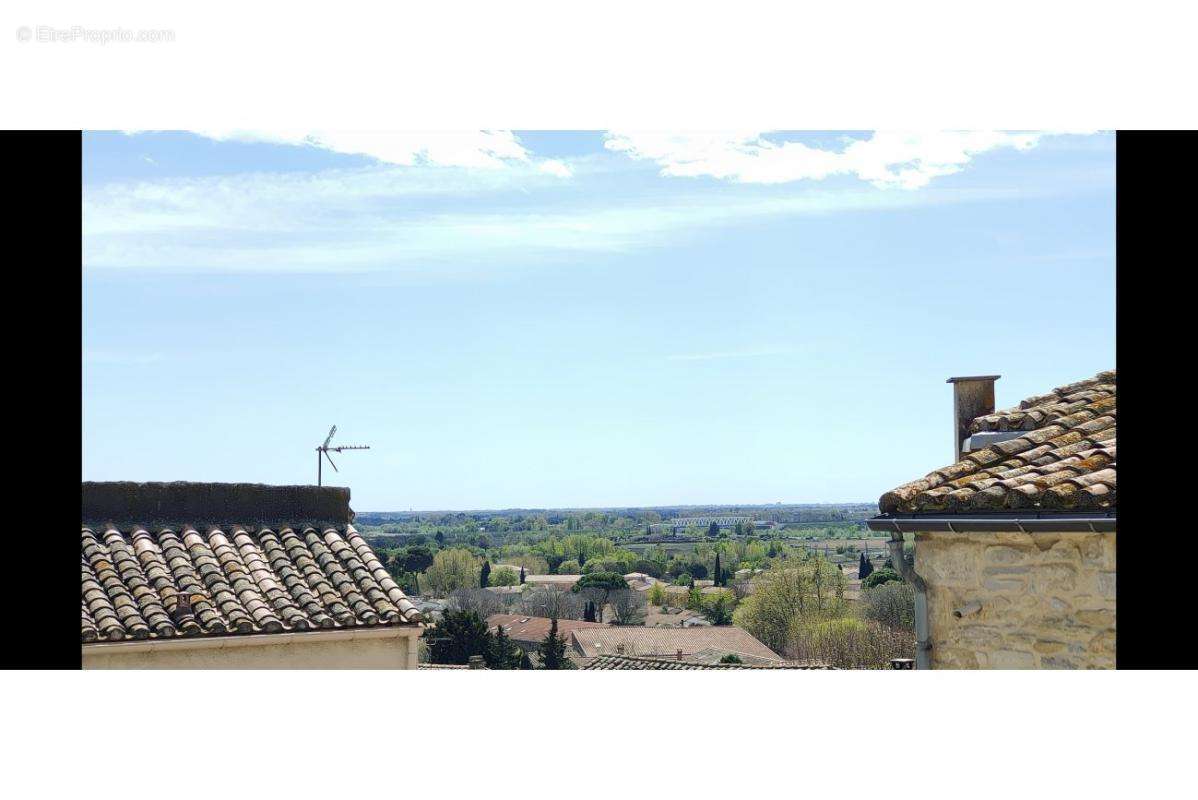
<point>643,663</point>
<point>142,585</point>
<point>639,641</point>
<point>1065,461</point>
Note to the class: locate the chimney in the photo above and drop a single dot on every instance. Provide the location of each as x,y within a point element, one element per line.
<point>973,397</point>
<point>172,504</point>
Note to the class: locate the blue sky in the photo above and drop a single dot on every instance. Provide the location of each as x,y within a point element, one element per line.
<point>532,319</point>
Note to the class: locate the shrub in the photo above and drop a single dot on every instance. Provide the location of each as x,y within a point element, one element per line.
<point>504,576</point>
<point>879,577</point>
<point>569,567</point>
<point>848,643</point>
<point>891,604</point>
<point>717,608</point>
<point>683,580</point>
<point>731,658</point>
<point>650,568</point>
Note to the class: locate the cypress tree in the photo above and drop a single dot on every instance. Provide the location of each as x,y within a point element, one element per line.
<point>521,574</point>
<point>719,573</point>
<point>864,567</point>
<point>553,650</point>
<point>484,575</point>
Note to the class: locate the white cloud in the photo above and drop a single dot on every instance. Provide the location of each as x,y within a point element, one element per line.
<point>467,149</point>
<point>385,218</point>
<point>886,159</point>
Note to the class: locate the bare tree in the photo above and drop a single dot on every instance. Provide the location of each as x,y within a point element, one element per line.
<point>549,601</point>
<point>628,606</point>
<point>480,601</point>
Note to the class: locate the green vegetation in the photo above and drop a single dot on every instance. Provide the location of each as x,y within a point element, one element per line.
<point>879,577</point>
<point>552,650</point>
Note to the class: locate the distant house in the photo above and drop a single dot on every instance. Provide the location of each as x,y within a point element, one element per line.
<point>528,632</point>
<point>1015,539</point>
<point>217,575</point>
<point>641,581</point>
<point>684,644</point>
<point>557,581</point>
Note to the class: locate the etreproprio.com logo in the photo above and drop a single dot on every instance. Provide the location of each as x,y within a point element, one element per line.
<point>78,33</point>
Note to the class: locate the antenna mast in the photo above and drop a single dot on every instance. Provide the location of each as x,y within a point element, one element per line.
<point>324,450</point>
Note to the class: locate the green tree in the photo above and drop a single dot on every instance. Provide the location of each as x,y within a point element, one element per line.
<point>504,576</point>
<point>713,530</point>
<point>719,573</point>
<point>552,650</point>
<point>864,567</point>
<point>455,568</point>
<point>718,609</point>
<point>484,575</point>
<point>457,636</point>
<point>503,654</point>
<point>417,559</point>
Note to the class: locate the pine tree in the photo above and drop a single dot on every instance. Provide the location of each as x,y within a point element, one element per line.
<point>503,653</point>
<point>521,574</point>
<point>484,575</point>
<point>864,568</point>
<point>553,650</point>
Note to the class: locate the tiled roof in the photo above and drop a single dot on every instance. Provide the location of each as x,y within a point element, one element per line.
<point>639,641</point>
<point>640,663</point>
<point>523,628</point>
<point>1065,461</point>
<point>180,582</point>
<point>442,666</point>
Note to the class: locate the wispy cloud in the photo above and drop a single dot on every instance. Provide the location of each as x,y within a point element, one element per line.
<point>385,219</point>
<point>467,149</point>
<point>722,354</point>
<point>886,159</point>
<point>439,202</point>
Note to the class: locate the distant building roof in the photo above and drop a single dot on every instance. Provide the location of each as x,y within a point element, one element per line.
<point>1064,462</point>
<point>639,641</point>
<point>563,580</point>
<point>188,570</point>
<point>523,628</point>
<point>643,662</point>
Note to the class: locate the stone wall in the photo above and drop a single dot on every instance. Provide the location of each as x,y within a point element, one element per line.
<point>1042,600</point>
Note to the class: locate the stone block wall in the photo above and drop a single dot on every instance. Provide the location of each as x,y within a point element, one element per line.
<point>1042,600</point>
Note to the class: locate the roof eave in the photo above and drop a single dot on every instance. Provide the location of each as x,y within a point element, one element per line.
<point>1018,522</point>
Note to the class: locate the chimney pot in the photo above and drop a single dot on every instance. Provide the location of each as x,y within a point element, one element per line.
<point>973,397</point>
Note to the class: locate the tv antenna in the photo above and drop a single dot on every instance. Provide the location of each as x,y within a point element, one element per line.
<point>324,451</point>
